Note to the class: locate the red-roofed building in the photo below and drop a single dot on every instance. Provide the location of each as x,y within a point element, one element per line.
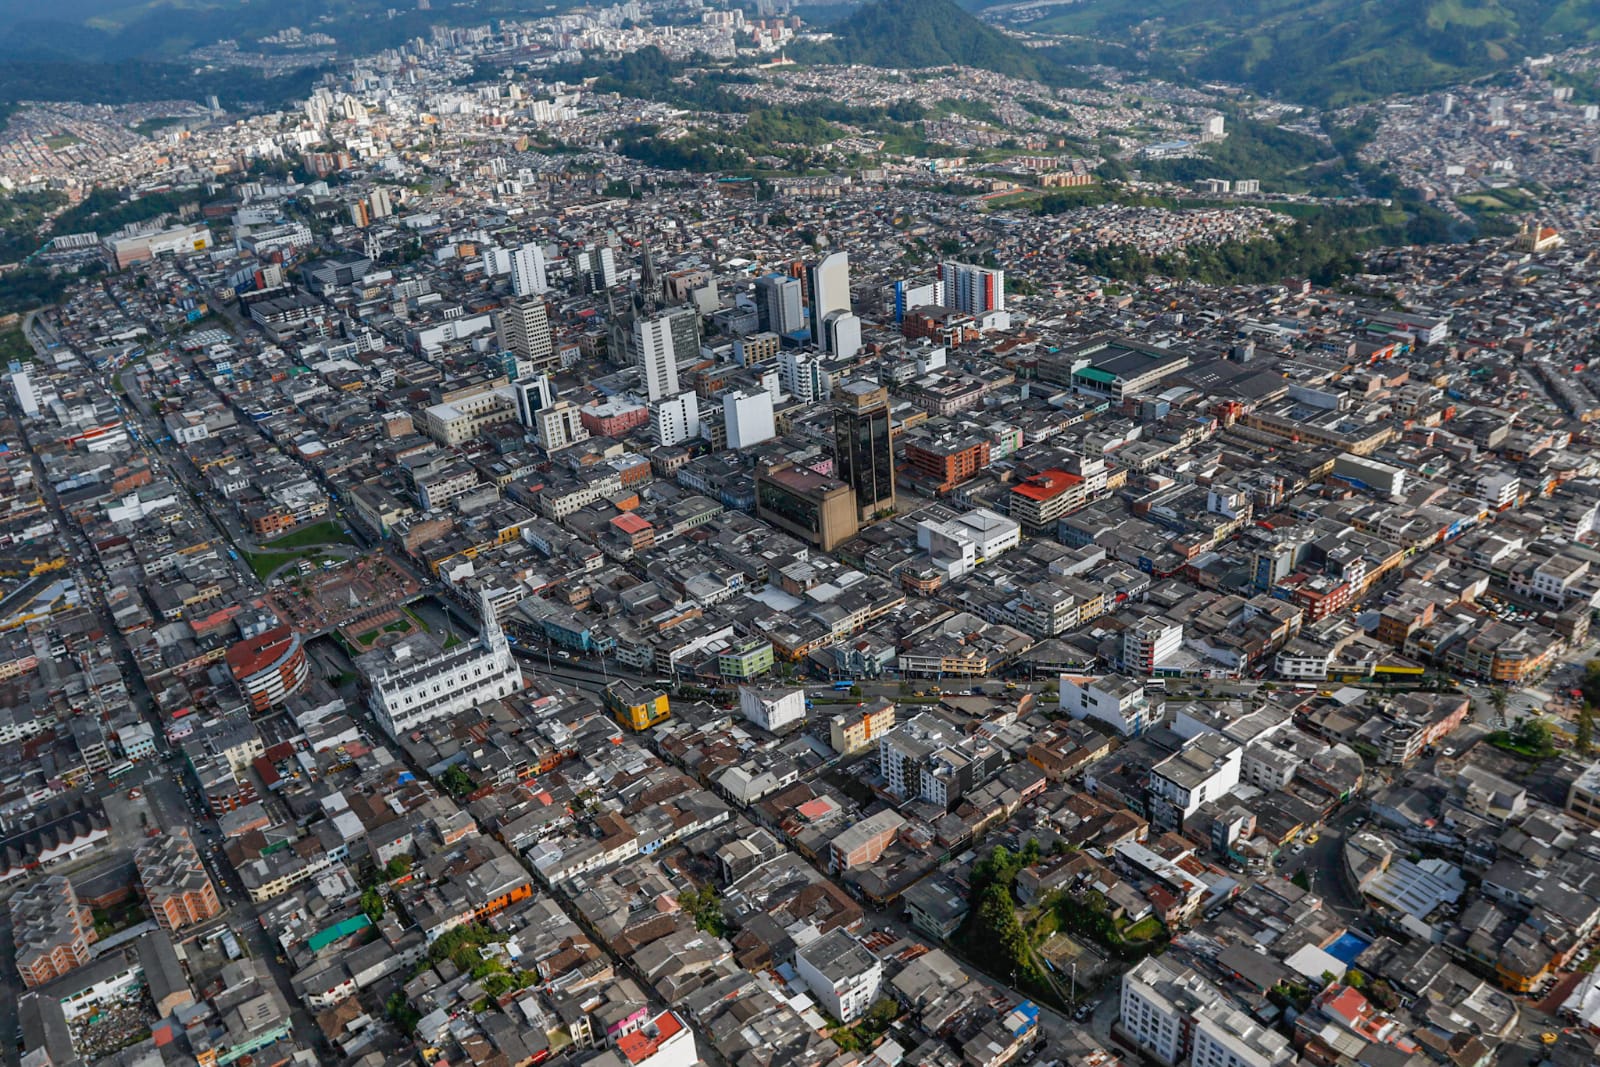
<point>635,530</point>
<point>1037,502</point>
<point>269,667</point>
<point>664,1041</point>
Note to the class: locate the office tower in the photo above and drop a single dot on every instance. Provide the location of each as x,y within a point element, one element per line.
<point>533,396</point>
<point>560,425</point>
<point>843,333</point>
<point>863,456</point>
<point>747,416</point>
<point>829,283</point>
<point>594,269</point>
<point>974,290</point>
<point>779,307</point>
<point>527,271</point>
<point>684,322</point>
<point>675,419</point>
<point>525,330</point>
<point>654,348</point>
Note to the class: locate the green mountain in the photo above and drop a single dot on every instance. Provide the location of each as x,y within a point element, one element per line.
<point>927,33</point>
<point>1331,51</point>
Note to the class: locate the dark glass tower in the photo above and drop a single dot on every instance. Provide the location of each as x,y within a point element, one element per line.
<point>863,455</point>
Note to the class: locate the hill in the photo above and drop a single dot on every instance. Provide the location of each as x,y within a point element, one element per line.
<point>1331,51</point>
<point>927,33</point>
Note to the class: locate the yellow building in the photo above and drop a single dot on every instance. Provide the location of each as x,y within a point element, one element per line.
<point>636,707</point>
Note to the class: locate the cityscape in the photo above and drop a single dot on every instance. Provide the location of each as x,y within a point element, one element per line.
<point>733,533</point>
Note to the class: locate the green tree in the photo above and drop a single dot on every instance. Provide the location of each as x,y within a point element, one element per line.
<point>398,866</point>
<point>1499,699</point>
<point>1584,740</point>
<point>456,781</point>
<point>372,903</point>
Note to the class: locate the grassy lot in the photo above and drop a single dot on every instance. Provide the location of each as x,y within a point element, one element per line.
<point>326,532</point>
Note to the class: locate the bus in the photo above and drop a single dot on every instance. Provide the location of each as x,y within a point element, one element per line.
<point>843,685</point>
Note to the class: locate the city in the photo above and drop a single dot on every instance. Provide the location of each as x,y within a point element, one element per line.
<point>641,536</point>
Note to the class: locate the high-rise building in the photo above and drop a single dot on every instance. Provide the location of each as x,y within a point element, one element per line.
<point>802,376</point>
<point>50,929</point>
<point>269,667</point>
<point>655,347</point>
<point>842,333</point>
<point>594,269</point>
<point>675,419</point>
<point>828,281</point>
<point>527,271</point>
<point>533,395</point>
<point>382,203</point>
<point>560,425</point>
<point>525,330</point>
<point>863,456</point>
<point>747,414</point>
<point>779,306</point>
<point>974,290</point>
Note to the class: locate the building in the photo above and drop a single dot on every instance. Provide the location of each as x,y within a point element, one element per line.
<point>1583,796</point>
<point>803,377</point>
<point>532,395</point>
<point>525,331</point>
<point>50,929</point>
<point>745,658</point>
<point>462,419</point>
<point>948,460</point>
<point>747,414</point>
<point>819,510</point>
<point>974,290</point>
<point>664,1041</point>
<point>1224,1036</point>
<point>859,729</point>
<point>123,252</point>
<point>1149,644</point>
<point>594,269</point>
<point>176,886</point>
<point>1206,768</point>
<point>863,453</point>
<point>828,281</point>
<point>772,709</point>
<point>675,419</point>
<point>780,306</point>
<point>528,276</point>
<point>1160,1002</point>
<point>842,975</point>
<point>841,334</point>
<point>863,842</point>
<point>614,417</point>
<point>1040,500</point>
<point>560,425</point>
<point>636,707</point>
<point>654,349</point>
<point>269,667</point>
<point>1118,702</point>
<point>1115,367</point>
<point>418,680</point>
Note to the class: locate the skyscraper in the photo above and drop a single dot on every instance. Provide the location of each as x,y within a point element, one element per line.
<point>525,330</point>
<point>829,283</point>
<point>653,346</point>
<point>974,290</point>
<point>527,271</point>
<point>778,304</point>
<point>863,456</point>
